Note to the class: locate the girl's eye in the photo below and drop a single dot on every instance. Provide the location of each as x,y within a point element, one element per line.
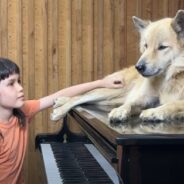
<point>11,84</point>
<point>19,81</point>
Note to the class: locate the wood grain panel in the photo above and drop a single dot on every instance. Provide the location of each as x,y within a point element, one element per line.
<point>53,52</point>
<point>76,53</point>
<point>98,10</point>
<point>108,36</point>
<point>64,41</point>
<point>119,34</point>
<point>58,43</point>
<point>132,36</point>
<point>174,6</point>
<point>159,9</point>
<point>40,57</point>
<point>4,28</point>
<point>12,29</point>
<point>87,40</point>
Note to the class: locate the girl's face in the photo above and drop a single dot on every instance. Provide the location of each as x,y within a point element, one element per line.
<point>11,92</point>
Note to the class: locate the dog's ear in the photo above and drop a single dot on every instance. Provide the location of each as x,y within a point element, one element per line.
<point>140,24</point>
<point>178,23</point>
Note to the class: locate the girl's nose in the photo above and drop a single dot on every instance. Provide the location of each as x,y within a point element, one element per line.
<point>19,87</point>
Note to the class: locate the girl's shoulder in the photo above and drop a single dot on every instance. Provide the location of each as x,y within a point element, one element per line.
<point>31,107</point>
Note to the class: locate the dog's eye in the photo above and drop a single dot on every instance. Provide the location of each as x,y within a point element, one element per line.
<point>162,47</point>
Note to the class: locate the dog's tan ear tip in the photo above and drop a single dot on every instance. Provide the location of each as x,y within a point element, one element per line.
<point>134,18</point>
<point>179,16</point>
<point>181,11</point>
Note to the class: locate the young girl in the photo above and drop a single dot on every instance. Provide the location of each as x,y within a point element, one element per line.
<point>15,113</point>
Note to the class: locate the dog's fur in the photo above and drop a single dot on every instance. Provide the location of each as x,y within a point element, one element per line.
<point>158,77</point>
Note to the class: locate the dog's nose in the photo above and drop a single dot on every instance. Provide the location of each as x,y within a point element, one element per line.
<point>140,67</point>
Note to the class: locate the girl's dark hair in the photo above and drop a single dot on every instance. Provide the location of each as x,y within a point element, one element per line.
<point>7,68</point>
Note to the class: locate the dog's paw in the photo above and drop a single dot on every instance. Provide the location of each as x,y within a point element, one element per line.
<point>119,115</point>
<point>61,101</point>
<point>58,114</point>
<point>154,114</point>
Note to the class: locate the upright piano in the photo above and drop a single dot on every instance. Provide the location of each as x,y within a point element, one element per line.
<point>100,154</point>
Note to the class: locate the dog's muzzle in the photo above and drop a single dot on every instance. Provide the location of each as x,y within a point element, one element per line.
<point>140,68</point>
<point>146,71</point>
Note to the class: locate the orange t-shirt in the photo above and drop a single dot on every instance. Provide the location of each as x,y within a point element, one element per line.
<point>13,144</point>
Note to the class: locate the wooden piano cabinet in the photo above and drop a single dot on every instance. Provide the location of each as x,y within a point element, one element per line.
<point>119,157</point>
<point>151,159</point>
<point>138,158</point>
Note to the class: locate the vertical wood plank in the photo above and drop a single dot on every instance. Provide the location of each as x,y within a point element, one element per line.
<point>132,48</point>
<point>25,61</point>
<point>19,33</point>
<point>87,40</point>
<point>64,41</point>
<point>31,48</point>
<point>108,44</point>
<point>76,53</point>
<point>12,29</point>
<point>67,42</point>
<point>53,65</point>
<point>174,6</point>
<point>4,28</point>
<point>159,9</point>
<point>25,72</point>
<point>119,32</point>
<point>146,9</point>
<point>98,38</point>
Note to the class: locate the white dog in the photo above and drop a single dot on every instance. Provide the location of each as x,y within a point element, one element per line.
<point>158,77</point>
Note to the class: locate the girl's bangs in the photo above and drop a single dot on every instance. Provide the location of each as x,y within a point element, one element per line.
<point>7,68</point>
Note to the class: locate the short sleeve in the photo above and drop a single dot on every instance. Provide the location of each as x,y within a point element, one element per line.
<point>31,107</point>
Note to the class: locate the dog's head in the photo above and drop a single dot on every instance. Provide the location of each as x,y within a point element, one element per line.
<point>161,43</point>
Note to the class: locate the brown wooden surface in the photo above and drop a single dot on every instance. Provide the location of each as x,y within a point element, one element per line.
<point>93,124</point>
<point>97,120</point>
<point>58,43</point>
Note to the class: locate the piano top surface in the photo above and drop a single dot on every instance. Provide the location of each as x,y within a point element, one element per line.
<point>133,129</point>
<point>98,120</point>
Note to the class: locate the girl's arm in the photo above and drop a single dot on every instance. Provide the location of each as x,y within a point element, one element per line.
<point>111,81</point>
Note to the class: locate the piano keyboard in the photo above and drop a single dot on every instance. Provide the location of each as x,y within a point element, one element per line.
<point>76,163</point>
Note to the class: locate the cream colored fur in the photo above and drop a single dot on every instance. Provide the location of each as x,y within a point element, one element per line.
<point>157,77</point>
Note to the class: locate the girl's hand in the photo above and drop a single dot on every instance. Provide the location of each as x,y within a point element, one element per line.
<point>114,80</point>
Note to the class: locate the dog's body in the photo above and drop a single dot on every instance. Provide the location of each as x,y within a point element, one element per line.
<point>157,77</point>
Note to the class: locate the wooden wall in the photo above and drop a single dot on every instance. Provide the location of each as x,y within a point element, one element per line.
<point>58,43</point>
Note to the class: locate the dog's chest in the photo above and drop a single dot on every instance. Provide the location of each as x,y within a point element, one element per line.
<point>172,89</point>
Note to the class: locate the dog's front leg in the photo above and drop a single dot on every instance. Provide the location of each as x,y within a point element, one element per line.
<point>138,99</point>
<point>166,112</point>
<point>93,96</point>
<point>121,114</point>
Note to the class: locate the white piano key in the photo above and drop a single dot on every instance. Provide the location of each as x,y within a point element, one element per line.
<point>52,171</point>
<point>103,163</point>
